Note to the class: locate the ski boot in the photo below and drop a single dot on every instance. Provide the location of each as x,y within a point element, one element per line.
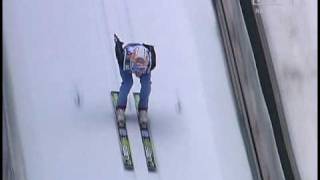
<point>120,116</point>
<point>143,117</point>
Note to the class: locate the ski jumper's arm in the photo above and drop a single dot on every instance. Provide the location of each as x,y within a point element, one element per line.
<point>153,55</point>
<point>119,50</point>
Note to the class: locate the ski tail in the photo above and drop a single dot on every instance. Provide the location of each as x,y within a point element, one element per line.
<point>114,96</point>
<point>136,96</point>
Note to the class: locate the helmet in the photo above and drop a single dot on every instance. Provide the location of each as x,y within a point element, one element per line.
<point>141,53</point>
<point>140,59</point>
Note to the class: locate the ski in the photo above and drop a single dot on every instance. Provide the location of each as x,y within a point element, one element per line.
<point>146,139</point>
<point>123,136</point>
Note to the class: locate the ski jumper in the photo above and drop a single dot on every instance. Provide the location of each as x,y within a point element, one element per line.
<point>139,59</point>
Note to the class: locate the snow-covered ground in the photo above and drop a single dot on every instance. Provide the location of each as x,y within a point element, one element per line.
<point>60,50</point>
<point>291,28</point>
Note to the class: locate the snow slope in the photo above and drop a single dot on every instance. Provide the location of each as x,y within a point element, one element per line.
<point>62,66</point>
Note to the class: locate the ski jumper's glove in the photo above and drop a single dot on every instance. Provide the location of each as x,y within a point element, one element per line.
<point>116,39</point>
